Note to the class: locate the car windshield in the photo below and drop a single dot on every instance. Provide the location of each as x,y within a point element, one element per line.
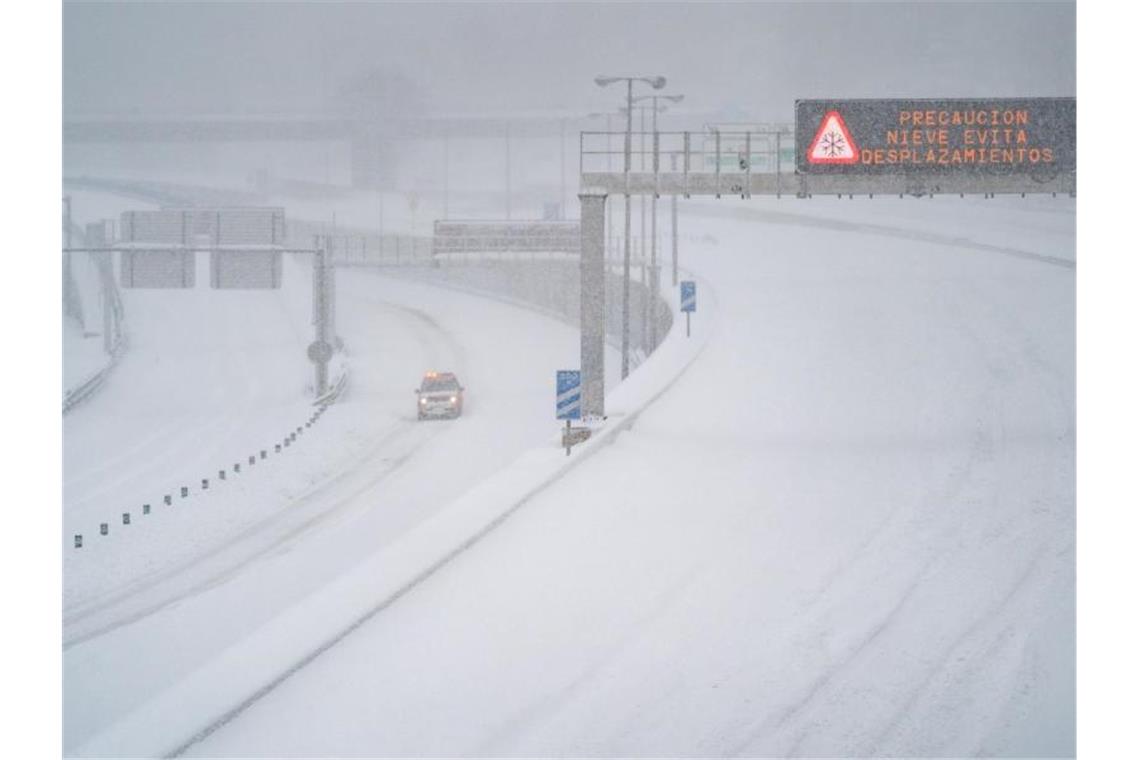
<point>439,384</point>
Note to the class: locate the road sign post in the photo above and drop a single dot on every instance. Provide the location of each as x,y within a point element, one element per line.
<point>568,405</point>
<point>688,301</point>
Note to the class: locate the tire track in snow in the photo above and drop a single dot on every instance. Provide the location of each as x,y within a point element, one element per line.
<point>996,357</point>
<point>809,695</point>
<point>988,618</point>
<point>279,519</point>
<point>430,334</point>
<point>619,425</point>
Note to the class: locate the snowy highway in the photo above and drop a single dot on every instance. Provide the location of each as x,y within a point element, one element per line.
<point>184,582</point>
<point>844,527</point>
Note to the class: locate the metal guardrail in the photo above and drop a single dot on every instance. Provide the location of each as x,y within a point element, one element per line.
<point>333,393</point>
<point>710,152</point>
<point>74,396</point>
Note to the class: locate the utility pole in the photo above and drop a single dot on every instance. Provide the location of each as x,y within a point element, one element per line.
<point>654,279</point>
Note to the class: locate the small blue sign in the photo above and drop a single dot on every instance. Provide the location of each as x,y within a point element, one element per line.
<point>568,398</point>
<point>688,295</point>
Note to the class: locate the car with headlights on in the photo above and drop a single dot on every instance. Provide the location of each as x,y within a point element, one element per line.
<point>439,395</point>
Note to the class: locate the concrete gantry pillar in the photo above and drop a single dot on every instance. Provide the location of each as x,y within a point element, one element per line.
<point>593,303</point>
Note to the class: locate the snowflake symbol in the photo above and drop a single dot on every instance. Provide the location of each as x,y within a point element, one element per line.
<point>833,144</point>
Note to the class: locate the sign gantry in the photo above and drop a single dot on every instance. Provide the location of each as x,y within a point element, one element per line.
<point>917,147</point>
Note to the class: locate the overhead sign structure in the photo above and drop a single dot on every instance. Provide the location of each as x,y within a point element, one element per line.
<point>162,268</point>
<point>1035,136</point>
<point>568,395</point>
<point>245,270</point>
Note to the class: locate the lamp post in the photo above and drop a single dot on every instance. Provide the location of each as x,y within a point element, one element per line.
<point>445,169</point>
<point>645,337</point>
<point>507,141</point>
<point>562,167</point>
<point>656,83</point>
<point>654,277</point>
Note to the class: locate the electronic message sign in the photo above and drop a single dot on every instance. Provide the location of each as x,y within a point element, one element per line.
<point>1036,136</point>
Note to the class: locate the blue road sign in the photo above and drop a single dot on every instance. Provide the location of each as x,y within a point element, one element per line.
<point>688,295</point>
<point>568,399</point>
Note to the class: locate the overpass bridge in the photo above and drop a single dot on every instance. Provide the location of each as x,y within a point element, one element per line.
<point>371,143</point>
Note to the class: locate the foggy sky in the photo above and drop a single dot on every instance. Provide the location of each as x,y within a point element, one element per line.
<point>754,58</point>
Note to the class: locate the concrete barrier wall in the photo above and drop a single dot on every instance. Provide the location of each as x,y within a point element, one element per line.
<point>551,286</point>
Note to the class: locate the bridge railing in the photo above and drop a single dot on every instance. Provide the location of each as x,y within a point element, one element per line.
<point>706,152</point>
<point>505,237</point>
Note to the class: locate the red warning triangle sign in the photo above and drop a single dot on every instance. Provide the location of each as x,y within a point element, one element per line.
<point>833,143</point>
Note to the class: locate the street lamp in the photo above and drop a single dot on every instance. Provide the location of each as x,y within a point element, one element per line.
<point>656,82</point>
<point>653,274</point>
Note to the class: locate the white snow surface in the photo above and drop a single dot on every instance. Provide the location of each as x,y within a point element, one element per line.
<point>837,521</point>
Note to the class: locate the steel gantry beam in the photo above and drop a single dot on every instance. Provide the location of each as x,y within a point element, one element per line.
<point>802,185</point>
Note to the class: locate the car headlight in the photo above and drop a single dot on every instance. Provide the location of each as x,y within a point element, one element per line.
<point>423,400</point>
<point>453,399</point>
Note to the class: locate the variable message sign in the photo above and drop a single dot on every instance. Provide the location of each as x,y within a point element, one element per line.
<point>1036,136</point>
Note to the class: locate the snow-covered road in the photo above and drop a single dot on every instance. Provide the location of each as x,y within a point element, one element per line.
<point>846,530</point>
<point>154,600</point>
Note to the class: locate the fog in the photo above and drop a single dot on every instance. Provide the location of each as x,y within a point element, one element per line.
<point>752,58</point>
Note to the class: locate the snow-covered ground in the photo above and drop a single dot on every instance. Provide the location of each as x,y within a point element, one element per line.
<point>845,527</point>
